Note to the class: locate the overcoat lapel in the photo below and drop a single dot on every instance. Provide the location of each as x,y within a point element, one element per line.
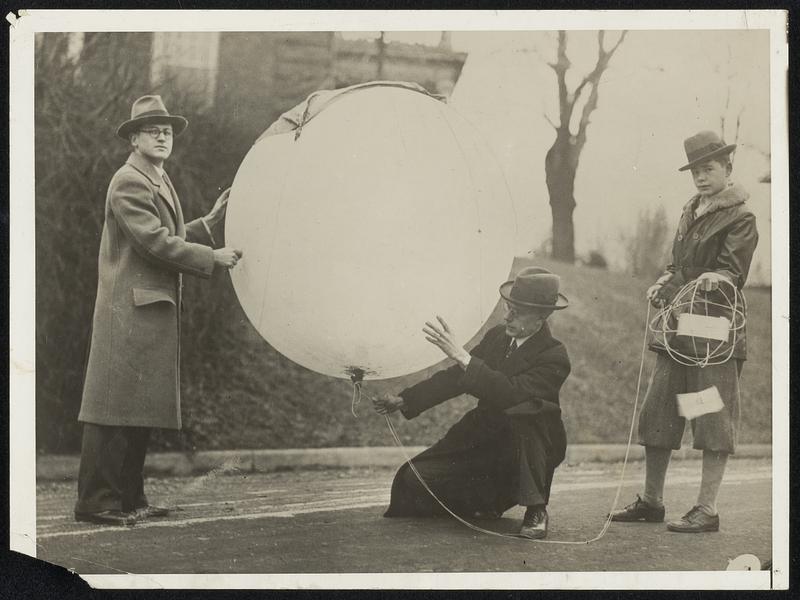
<point>169,199</point>
<point>149,171</point>
<point>181,230</point>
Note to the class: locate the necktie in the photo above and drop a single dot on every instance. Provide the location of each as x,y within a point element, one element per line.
<point>511,347</point>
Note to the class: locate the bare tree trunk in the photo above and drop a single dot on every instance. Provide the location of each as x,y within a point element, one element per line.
<point>561,162</point>
<point>560,167</point>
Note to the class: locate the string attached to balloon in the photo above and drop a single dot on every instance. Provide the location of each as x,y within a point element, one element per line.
<point>356,398</point>
<point>700,328</point>
<point>357,377</point>
<point>606,523</point>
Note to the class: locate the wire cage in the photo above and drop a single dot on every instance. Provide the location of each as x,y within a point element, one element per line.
<point>700,328</point>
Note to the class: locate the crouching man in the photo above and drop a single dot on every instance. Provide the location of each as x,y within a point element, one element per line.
<point>505,450</point>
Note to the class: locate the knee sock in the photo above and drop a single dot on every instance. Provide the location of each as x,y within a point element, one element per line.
<point>656,463</point>
<point>713,470</point>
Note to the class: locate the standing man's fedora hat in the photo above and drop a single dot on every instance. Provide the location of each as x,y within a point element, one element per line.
<point>704,146</point>
<point>150,109</point>
<point>535,287</point>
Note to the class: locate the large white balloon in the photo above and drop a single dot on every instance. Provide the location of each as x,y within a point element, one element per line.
<point>387,210</point>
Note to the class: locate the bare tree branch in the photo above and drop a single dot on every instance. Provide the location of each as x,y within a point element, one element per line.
<point>611,52</point>
<point>561,67</point>
<point>603,58</point>
<point>593,77</point>
<point>579,90</point>
<point>586,113</point>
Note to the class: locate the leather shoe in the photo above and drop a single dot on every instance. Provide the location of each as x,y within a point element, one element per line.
<point>152,511</point>
<point>534,525</point>
<point>108,517</point>
<point>639,510</point>
<point>695,521</point>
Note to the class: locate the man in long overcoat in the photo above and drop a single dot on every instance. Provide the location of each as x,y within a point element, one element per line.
<point>504,451</point>
<point>132,376</point>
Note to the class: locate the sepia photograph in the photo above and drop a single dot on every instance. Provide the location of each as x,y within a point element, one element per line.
<point>394,300</point>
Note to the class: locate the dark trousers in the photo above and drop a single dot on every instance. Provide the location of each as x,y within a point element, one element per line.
<point>536,469</point>
<point>112,462</point>
<point>476,479</point>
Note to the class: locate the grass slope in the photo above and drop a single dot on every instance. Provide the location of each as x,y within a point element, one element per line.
<point>263,400</point>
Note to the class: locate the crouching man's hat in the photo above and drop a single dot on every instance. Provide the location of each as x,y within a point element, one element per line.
<point>150,109</point>
<point>704,146</point>
<point>535,287</point>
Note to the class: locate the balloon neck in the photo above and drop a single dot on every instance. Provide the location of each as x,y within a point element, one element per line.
<point>356,374</point>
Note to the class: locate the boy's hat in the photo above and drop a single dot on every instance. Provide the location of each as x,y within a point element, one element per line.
<point>704,146</point>
<point>150,109</point>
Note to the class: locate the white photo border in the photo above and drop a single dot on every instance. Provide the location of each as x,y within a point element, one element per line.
<point>22,322</point>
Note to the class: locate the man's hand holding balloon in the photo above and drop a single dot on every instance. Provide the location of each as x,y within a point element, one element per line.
<point>387,403</point>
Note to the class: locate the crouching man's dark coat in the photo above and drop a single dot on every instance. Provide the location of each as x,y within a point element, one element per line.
<point>477,462</point>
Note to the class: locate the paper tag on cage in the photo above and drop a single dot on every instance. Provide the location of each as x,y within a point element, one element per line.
<point>702,326</point>
<point>695,404</point>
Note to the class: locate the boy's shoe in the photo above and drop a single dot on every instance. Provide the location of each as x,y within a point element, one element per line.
<point>639,510</point>
<point>695,521</point>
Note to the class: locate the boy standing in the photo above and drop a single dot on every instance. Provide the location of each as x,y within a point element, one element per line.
<point>715,242</point>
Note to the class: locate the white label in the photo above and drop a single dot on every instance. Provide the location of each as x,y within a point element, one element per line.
<point>695,404</point>
<point>701,326</point>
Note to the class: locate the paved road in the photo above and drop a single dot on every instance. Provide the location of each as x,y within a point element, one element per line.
<point>331,521</point>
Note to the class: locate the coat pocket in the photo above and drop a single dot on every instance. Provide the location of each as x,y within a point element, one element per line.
<point>144,296</point>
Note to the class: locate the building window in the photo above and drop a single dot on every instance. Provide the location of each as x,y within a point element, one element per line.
<point>187,62</point>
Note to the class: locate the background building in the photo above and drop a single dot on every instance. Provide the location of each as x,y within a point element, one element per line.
<point>251,78</point>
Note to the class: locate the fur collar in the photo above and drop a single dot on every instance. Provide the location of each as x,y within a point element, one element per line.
<point>733,195</point>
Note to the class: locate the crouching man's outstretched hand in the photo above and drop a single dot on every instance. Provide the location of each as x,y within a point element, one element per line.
<point>386,404</point>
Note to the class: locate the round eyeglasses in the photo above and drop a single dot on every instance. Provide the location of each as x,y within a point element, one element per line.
<point>155,132</point>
